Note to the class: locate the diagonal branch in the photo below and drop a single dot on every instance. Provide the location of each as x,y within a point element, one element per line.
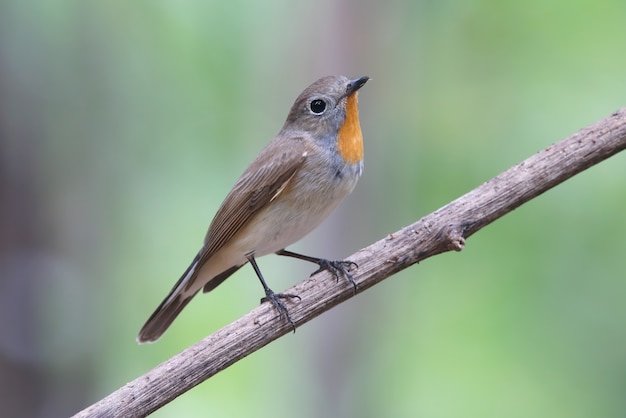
<point>443,230</point>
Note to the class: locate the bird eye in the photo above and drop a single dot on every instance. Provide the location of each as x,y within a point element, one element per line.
<point>318,106</point>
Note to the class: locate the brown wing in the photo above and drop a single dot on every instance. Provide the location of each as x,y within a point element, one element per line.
<point>262,181</point>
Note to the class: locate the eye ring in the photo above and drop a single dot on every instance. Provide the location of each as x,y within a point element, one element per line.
<point>317,106</point>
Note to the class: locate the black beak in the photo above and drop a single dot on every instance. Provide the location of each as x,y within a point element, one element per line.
<point>355,85</point>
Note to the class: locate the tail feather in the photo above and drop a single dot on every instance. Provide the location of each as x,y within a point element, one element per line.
<point>215,281</point>
<point>163,317</point>
<point>168,310</point>
<point>180,295</point>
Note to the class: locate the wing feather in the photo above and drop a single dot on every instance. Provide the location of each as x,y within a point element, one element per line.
<point>267,176</point>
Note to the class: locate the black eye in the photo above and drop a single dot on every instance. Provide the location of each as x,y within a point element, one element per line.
<point>318,106</point>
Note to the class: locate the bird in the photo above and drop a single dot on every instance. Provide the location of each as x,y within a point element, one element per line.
<point>292,185</point>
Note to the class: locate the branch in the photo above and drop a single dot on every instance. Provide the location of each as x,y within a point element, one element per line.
<point>443,230</point>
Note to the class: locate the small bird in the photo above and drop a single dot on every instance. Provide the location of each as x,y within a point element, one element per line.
<point>294,183</point>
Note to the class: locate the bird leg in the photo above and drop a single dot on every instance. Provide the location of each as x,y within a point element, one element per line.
<point>336,267</point>
<point>274,298</point>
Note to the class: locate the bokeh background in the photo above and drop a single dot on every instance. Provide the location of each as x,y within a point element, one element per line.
<point>124,124</point>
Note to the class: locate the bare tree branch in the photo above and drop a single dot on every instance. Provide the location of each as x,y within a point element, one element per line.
<point>443,230</point>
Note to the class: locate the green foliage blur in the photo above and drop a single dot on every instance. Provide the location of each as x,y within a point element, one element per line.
<point>123,124</point>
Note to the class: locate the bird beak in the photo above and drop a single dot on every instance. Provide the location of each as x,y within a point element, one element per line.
<point>354,85</point>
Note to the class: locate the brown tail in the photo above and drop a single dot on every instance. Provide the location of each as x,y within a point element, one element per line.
<point>168,310</point>
<point>162,318</point>
<point>176,300</point>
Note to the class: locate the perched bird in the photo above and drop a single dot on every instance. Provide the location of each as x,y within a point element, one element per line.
<point>289,189</point>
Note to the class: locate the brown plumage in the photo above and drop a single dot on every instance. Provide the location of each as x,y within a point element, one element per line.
<point>287,191</point>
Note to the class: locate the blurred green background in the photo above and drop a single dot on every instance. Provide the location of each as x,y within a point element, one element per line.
<point>124,124</point>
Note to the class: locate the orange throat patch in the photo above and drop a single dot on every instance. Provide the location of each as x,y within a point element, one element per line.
<point>350,139</point>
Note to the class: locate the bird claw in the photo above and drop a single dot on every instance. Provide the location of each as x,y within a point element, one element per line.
<point>338,267</point>
<point>279,305</point>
